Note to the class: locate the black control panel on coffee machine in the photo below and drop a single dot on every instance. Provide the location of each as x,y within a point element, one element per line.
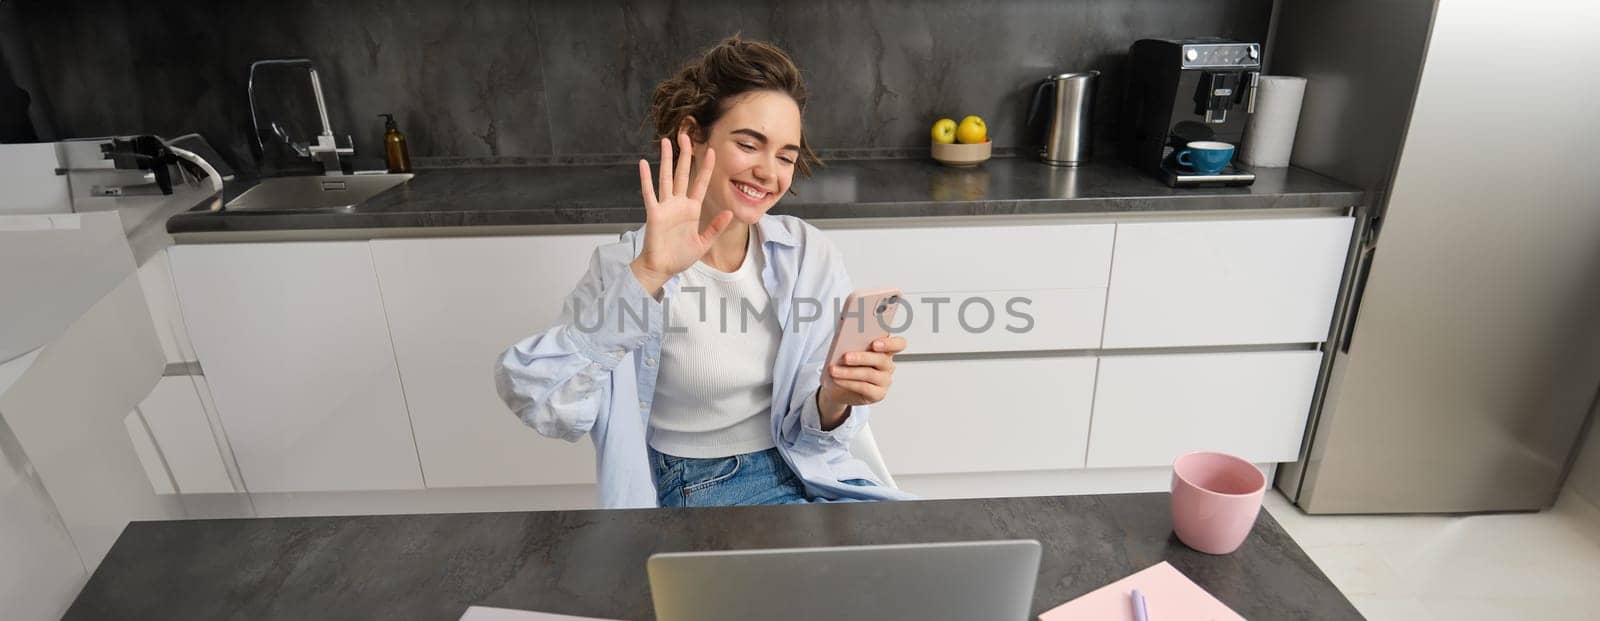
<point>1186,90</point>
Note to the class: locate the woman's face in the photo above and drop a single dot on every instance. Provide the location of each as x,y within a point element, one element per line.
<point>757,141</point>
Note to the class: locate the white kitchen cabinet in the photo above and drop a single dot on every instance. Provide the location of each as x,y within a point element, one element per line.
<point>1234,282</point>
<point>1148,409</point>
<point>985,321</point>
<point>1061,269</point>
<point>986,415</point>
<point>454,305</point>
<point>370,365</point>
<point>295,346</point>
<point>977,258</point>
<point>177,424</point>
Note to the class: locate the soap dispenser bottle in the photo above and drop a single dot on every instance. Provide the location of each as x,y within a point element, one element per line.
<point>394,146</point>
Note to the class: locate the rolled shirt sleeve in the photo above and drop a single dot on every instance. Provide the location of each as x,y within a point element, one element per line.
<point>558,381</point>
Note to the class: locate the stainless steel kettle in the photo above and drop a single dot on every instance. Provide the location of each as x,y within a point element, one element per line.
<point>1065,101</point>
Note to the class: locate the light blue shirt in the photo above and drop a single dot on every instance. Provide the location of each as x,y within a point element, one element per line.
<point>594,372</point>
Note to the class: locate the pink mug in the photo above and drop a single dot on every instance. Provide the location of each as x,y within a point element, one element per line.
<point>1215,499</point>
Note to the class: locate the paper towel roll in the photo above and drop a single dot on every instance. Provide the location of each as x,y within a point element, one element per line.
<point>1269,136</point>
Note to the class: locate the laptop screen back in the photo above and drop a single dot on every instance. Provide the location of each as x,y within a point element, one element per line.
<point>927,582</point>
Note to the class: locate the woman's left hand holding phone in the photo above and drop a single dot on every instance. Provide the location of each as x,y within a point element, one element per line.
<point>673,238</point>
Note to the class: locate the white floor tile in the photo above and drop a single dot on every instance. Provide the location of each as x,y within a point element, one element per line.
<point>1351,529</point>
<point>1499,556</point>
<point>1384,608</point>
<point>1514,566</point>
<point>1356,569</point>
<point>1503,609</point>
<point>1579,515</point>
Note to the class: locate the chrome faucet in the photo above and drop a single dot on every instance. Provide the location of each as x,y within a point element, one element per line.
<point>300,149</point>
<point>326,149</point>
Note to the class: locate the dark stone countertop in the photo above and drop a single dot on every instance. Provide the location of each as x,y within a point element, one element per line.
<point>592,563</point>
<point>545,195</point>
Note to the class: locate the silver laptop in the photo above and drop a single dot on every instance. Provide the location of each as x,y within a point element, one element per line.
<point>922,582</point>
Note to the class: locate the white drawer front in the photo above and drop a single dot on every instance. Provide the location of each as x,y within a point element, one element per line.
<point>981,321</point>
<point>1150,409</point>
<point>1225,282</point>
<point>978,258</point>
<point>986,415</point>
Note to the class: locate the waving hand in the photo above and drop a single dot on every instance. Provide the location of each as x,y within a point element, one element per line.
<point>673,239</point>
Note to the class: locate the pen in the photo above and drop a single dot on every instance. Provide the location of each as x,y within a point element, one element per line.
<point>1139,613</point>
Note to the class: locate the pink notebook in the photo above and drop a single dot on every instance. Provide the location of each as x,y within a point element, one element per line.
<point>1168,594</point>
<point>485,613</point>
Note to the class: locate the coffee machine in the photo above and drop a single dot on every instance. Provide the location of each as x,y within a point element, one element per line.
<point>1185,90</point>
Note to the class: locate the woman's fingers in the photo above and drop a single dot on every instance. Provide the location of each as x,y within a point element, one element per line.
<point>666,170</point>
<point>645,190</point>
<point>716,227</point>
<point>869,375</point>
<point>680,181</point>
<point>869,393</point>
<point>892,345</point>
<point>703,180</point>
<point>869,359</point>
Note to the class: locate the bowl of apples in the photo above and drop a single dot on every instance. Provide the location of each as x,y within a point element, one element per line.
<point>963,144</point>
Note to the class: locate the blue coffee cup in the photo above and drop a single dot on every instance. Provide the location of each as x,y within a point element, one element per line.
<point>1206,157</point>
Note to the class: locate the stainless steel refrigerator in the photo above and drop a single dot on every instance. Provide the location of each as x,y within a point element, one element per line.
<point>1464,360</point>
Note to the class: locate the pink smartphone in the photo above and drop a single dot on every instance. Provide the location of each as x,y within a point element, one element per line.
<point>864,318</point>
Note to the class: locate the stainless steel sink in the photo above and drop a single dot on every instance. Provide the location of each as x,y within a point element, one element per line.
<point>314,192</point>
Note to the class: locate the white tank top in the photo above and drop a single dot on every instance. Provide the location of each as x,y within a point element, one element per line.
<point>714,388</point>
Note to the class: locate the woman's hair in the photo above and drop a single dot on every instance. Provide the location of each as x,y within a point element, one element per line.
<point>704,88</point>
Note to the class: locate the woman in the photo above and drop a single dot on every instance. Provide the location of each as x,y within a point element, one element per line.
<point>690,407</point>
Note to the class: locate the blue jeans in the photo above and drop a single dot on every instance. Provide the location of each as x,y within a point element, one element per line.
<point>759,478</point>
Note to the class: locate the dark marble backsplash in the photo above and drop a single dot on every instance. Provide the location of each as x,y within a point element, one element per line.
<point>554,80</point>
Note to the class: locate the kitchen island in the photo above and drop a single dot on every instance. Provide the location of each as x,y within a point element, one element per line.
<point>592,563</point>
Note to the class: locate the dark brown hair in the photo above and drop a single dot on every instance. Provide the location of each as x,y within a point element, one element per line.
<point>704,88</point>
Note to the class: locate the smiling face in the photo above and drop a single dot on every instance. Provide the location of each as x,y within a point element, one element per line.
<point>757,140</point>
